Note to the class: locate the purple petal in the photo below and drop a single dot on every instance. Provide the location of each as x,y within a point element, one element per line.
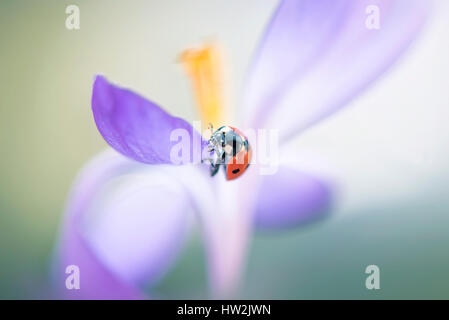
<point>318,55</point>
<point>122,229</point>
<point>290,198</point>
<point>227,226</point>
<point>136,127</point>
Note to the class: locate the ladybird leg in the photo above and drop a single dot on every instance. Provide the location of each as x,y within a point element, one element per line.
<point>214,169</point>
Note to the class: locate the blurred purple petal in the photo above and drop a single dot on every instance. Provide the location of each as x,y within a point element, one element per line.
<point>122,229</point>
<point>227,226</point>
<point>289,198</point>
<point>318,55</point>
<point>224,209</point>
<point>136,127</point>
<point>298,34</point>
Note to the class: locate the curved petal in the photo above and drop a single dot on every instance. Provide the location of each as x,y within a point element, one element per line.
<point>296,36</point>
<point>138,128</point>
<point>123,228</point>
<point>318,55</point>
<point>119,246</point>
<point>289,198</point>
<point>225,210</point>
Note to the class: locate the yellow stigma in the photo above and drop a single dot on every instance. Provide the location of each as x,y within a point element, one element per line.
<point>203,68</point>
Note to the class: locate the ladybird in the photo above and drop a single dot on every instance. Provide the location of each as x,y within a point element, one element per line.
<point>229,148</point>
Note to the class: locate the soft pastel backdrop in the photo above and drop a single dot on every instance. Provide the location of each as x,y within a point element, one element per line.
<point>388,151</point>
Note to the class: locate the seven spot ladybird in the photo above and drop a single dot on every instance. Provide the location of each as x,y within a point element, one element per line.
<point>230,148</point>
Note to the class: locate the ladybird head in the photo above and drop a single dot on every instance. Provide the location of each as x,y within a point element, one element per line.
<point>230,149</point>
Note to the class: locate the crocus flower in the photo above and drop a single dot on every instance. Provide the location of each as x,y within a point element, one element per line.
<point>130,208</point>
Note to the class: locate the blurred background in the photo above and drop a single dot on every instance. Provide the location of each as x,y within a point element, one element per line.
<point>387,151</point>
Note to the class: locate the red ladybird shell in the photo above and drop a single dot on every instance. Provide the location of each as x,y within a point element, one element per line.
<point>240,162</point>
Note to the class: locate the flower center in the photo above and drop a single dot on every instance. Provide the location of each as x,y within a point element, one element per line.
<point>203,66</point>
